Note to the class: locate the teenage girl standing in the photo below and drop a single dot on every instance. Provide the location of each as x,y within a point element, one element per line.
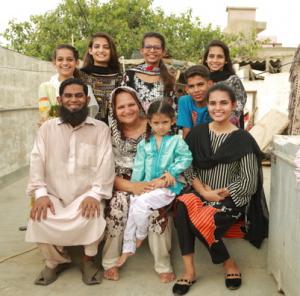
<point>217,59</point>
<point>151,80</point>
<point>101,70</point>
<point>65,59</point>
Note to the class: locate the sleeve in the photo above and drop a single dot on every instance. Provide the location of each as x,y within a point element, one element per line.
<point>241,97</point>
<point>102,184</point>
<point>93,105</point>
<point>182,160</point>
<point>245,184</point>
<point>138,172</point>
<point>190,174</point>
<point>184,117</point>
<point>37,186</point>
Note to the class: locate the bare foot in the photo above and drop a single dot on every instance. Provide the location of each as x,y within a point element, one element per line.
<point>123,258</point>
<point>111,274</point>
<point>167,277</point>
<point>138,242</point>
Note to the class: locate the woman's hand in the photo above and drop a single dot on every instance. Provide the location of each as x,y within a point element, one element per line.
<point>139,188</point>
<point>214,195</point>
<point>158,183</point>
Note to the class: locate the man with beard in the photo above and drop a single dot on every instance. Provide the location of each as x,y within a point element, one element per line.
<point>71,174</point>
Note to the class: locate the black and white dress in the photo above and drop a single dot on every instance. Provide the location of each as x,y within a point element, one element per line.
<point>220,160</point>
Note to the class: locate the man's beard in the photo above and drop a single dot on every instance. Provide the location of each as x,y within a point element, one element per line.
<point>73,117</point>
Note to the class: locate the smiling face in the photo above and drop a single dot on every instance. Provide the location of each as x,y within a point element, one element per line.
<point>220,106</point>
<point>161,124</point>
<point>73,98</point>
<point>126,109</point>
<point>215,59</point>
<point>65,63</point>
<point>100,51</point>
<point>152,51</point>
<point>197,88</point>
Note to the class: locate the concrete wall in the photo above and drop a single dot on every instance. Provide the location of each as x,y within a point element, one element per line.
<point>243,20</point>
<point>272,93</point>
<point>20,77</point>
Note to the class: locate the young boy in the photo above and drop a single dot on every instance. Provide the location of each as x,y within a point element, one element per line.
<point>192,108</point>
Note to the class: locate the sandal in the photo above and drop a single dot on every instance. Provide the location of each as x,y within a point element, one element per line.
<point>182,286</point>
<point>233,283</point>
<point>90,273</point>
<point>49,275</point>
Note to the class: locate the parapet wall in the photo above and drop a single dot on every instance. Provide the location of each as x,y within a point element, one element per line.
<point>20,77</point>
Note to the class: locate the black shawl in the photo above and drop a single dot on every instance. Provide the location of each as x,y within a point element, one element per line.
<point>218,76</point>
<point>235,146</point>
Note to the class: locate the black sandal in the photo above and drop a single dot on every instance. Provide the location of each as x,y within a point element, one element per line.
<point>233,283</point>
<point>182,286</point>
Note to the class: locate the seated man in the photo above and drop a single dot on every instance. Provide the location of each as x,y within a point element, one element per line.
<point>71,172</point>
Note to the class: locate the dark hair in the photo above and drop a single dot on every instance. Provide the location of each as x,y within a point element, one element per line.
<point>66,46</point>
<point>159,107</point>
<point>167,79</point>
<point>116,92</point>
<point>228,63</point>
<point>113,62</point>
<point>222,86</point>
<point>70,81</point>
<point>71,48</point>
<point>197,70</point>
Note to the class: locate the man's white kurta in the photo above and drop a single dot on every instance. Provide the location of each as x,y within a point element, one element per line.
<point>68,164</point>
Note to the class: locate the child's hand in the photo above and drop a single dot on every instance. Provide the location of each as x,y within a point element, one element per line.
<point>168,179</point>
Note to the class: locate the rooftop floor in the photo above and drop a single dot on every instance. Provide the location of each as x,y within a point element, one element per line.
<point>137,277</point>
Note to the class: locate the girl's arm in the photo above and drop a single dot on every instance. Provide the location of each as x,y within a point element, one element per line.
<point>136,188</point>
<point>245,185</point>
<point>183,159</point>
<point>207,193</point>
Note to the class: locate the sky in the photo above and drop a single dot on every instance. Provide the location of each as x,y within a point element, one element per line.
<point>281,16</point>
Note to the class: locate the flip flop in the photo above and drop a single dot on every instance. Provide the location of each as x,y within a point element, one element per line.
<point>90,273</point>
<point>50,275</point>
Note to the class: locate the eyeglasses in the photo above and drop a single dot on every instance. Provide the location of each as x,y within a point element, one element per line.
<point>154,47</point>
<point>69,95</point>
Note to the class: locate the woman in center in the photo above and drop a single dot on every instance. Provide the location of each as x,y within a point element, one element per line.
<point>160,159</point>
<point>128,123</point>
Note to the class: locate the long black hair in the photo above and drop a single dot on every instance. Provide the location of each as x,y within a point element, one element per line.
<point>159,107</point>
<point>113,62</point>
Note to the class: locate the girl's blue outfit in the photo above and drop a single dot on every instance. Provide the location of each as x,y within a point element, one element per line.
<point>173,156</point>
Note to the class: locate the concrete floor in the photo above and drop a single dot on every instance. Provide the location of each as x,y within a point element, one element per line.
<point>137,277</point>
